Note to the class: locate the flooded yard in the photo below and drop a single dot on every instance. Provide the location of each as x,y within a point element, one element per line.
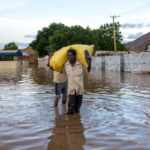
<point>115,114</point>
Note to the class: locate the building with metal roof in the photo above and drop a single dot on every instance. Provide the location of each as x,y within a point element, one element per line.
<point>9,53</point>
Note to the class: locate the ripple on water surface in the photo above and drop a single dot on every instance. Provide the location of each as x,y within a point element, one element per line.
<point>115,113</point>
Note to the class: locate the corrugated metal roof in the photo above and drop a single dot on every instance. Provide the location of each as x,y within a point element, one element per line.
<point>8,51</point>
<point>11,53</point>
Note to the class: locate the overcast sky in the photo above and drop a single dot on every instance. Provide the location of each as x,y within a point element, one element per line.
<point>21,19</point>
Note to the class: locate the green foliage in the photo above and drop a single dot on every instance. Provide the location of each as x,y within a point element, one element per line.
<point>58,35</point>
<point>6,58</point>
<point>11,46</point>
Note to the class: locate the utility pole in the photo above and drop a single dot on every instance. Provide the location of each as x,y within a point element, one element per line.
<point>114,32</point>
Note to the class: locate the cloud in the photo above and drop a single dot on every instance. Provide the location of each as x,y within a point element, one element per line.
<point>7,5</point>
<point>135,25</point>
<point>1,46</point>
<point>134,36</point>
<point>25,30</point>
<point>30,36</point>
<point>16,29</point>
<point>148,25</point>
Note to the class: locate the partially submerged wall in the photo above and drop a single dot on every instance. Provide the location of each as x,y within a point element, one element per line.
<point>123,62</point>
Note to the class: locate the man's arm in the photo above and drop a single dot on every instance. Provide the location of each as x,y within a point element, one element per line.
<point>49,56</point>
<point>88,59</point>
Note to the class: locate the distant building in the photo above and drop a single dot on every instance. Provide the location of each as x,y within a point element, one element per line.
<point>10,54</point>
<point>27,54</point>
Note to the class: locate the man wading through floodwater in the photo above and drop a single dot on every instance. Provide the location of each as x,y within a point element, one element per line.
<point>75,76</point>
<point>60,83</point>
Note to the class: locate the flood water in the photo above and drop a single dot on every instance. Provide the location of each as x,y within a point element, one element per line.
<point>115,113</point>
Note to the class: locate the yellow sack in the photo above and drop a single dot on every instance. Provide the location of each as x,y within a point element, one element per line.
<point>59,58</point>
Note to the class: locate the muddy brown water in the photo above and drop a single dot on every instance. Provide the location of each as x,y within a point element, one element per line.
<point>115,114</point>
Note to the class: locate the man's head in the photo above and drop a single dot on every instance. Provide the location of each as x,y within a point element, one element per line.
<point>71,55</point>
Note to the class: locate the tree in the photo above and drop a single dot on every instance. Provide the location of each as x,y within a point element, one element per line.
<point>46,35</point>
<point>104,37</point>
<point>11,46</point>
<point>58,35</point>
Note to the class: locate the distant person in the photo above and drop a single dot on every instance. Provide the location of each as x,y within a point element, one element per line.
<point>75,75</point>
<point>60,84</point>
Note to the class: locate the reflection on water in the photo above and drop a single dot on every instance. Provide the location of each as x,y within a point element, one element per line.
<point>10,71</point>
<point>41,75</point>
<point>67,133</point>
<point>115,114</point>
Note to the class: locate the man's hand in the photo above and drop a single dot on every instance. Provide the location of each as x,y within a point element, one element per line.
<point>51,68</point>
